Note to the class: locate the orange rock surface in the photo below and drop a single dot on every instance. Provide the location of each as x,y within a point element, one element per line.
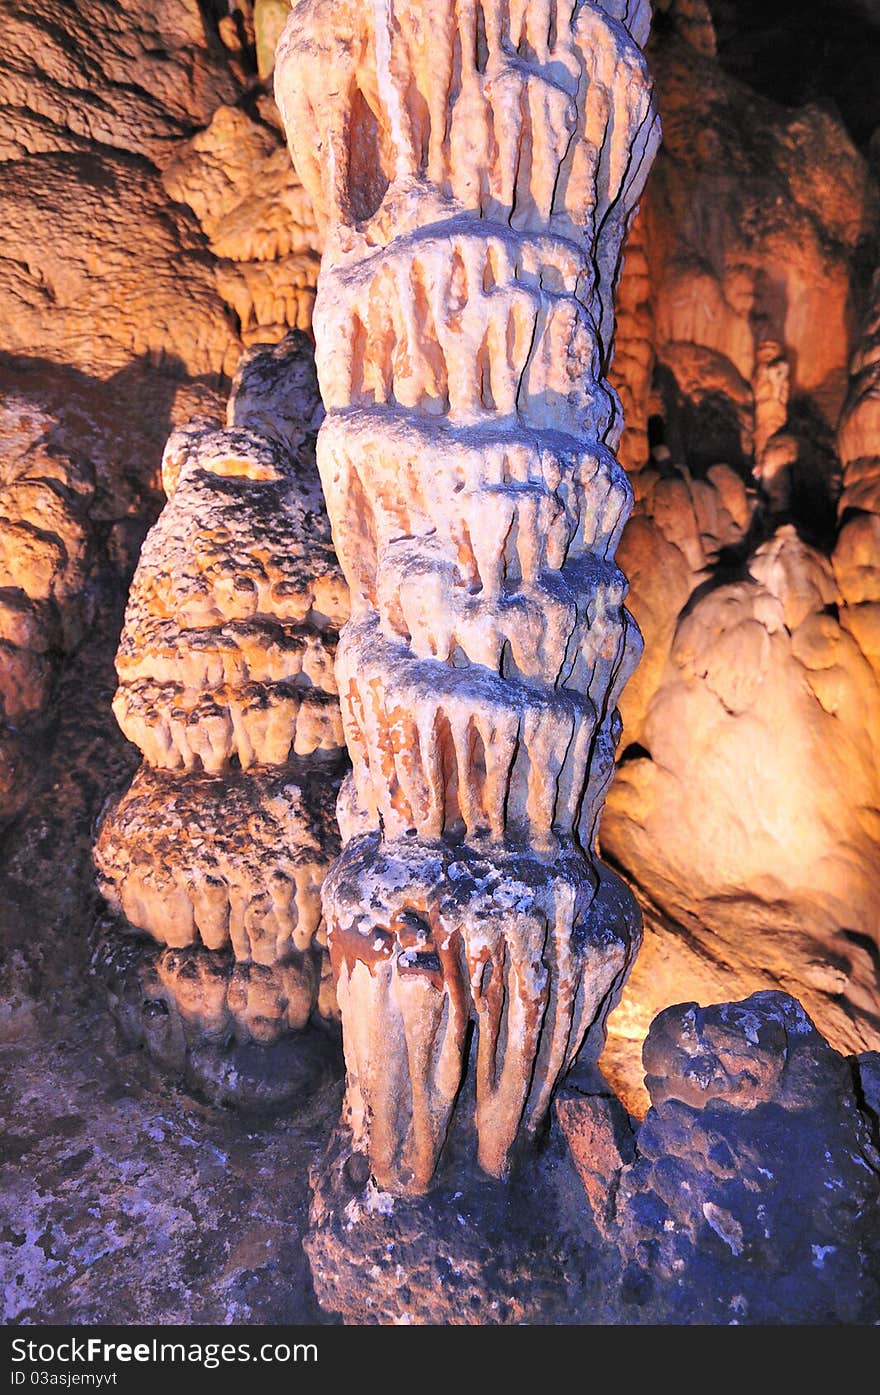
<point>746,803</point>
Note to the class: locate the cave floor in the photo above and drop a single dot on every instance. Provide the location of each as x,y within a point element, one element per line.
<point>122,1198</point>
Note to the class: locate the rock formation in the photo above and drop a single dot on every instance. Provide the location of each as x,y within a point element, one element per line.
<point>237,178</point>
<point>95,97</point>
<point>225,665</point>
<point>473,177</point>
<point>750,1193</point>
<point>143,168</point>
<point>858,439</point>
<point>45,558</point>
<point>153,225</point>
<point>747,790</point>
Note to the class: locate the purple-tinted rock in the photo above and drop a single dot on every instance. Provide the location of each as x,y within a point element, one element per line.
<point>754,1193</point>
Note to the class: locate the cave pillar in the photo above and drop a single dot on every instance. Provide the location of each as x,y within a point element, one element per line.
<point>475,165</point>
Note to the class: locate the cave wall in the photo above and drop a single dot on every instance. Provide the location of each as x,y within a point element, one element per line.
<point>745,803</point>
<point>152,227</point>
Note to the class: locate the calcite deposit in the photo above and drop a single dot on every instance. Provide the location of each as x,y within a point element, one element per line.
<point>45,558</point>
<point>98,267</point>
<point>225,667</point>
<point>143,169</point>
<point>152,226</point>
<point>237,178</point>
<point>231,865</point>
<point>227,650</point>
<point>855,557</point>
<point>473,171</point>
<point>745,809</point>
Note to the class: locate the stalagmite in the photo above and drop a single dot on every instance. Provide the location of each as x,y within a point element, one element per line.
<point>218,848</point>
<point>473,167</point>
<point>775,452</point>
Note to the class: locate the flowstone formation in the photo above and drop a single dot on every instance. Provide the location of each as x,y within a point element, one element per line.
<point>218,849</point>
<point>237,178</point>
<point>473,168</point>
<point>745,807</point>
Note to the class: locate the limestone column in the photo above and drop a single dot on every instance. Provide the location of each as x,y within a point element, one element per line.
<point>474,165</point>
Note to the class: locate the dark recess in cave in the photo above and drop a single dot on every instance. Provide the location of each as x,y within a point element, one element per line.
<point>827,52</point>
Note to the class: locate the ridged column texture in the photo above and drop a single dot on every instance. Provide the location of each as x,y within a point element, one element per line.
<point>474,167</point>
<point>218,848</point>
